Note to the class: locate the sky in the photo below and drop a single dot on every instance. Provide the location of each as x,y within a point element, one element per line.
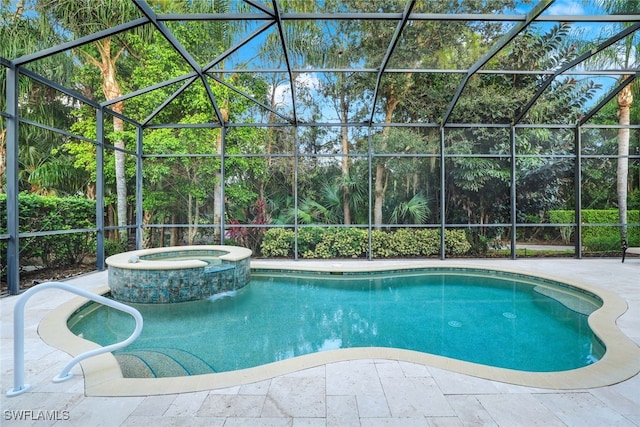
<point>559,7</point>
<point>567,7</point>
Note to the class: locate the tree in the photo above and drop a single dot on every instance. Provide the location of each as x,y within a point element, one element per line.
<point>79,17</point>
<point>401,172</point>
<point>23,32</point>
<point>624,55</point>
<point>599,177</point>
<point>304,41</point>
<point>479,181</point>
<point>343,88</point>
<point>192,178</point>
<point>430,45</point>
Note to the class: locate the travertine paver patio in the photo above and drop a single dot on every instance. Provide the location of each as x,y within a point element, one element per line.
<point>363,392</point>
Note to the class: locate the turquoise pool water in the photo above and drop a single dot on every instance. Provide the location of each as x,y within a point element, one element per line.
<point>495,319</point>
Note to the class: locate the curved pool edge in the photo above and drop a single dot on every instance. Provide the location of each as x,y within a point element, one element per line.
<point>103,376</point>
<point>122,260</point>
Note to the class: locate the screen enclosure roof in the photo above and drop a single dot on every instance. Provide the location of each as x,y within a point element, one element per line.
<point>308,54</point>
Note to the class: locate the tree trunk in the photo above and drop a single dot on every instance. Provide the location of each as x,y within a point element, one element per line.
<point>109,234</point>
<point>147,234</point>
<point>121,181</point>
<point>173,237</point>
<point>378,197</point>
<point>193,218</point>
<point>90,191</point>
<point>217,188</point>
<point>111,89</point>
<point>625,99</point>
<point>346,197</point>
<point>381,180</point>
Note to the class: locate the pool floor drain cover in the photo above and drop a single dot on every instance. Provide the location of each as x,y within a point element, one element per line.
<point>509,315</point>
<point>455,323</point>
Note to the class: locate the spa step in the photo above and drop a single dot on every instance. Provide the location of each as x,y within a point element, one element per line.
<point>216,268</point>
<point>161,362</point>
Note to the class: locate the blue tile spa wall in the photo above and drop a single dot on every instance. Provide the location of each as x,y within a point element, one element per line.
<point>159,286</point>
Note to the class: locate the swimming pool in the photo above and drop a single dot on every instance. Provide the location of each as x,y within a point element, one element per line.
<point>490,318</point>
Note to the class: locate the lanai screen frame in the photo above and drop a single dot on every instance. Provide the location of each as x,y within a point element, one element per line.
<point>16,67</point>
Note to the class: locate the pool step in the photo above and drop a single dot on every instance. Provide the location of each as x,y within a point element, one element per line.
<point>572,301</point>
<point>160,363</point>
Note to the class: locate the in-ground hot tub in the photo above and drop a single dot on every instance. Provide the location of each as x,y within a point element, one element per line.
<point>178,274</point>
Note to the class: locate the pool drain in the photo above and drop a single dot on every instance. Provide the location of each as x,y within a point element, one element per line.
<point>454,324</point>
<point>509,315</point>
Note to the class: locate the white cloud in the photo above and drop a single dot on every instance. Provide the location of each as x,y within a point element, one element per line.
<point>308,81</point>
<point>282,95</point>
<point>566,8</point>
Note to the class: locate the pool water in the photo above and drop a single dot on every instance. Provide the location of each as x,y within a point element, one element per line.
<point>494,319</point>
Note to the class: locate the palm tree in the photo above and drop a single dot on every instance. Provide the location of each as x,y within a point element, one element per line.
<point>414,211</point>
<point>625,100</point>
<point>42,169</point>
<point>625,57</point>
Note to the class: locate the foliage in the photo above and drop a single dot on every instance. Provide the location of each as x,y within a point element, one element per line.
<point>599,238</point>
<point>350,242</point>
<point>479,180</point>
<point>456,242</point>
<point>251,237</point>
<point>43,168</point>
<point>330,179</point>
<point>113,247</point>
<point>278,243</point>
<point>308,239</point>
<point>406,242</point>
<point>482,241</point>
<point>44,213</point>
<point>333,243</point>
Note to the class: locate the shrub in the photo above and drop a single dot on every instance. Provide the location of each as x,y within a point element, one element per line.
<point>456,242</point>
<point>412,242</point>
<point>404,242</point>
<point>277,242</point>
<point>308,239</point>
<point>251,237</point>
<point>113,247</point>
<point>46,213</point>
<point>428,241</point>
<point>348,242</point>
<point>600,238</point>
<point>603,244</point>
<point>325,243</point>
<point>564,217</point>
<point>380,247</point>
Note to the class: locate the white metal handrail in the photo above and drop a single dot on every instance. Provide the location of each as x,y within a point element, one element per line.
<point>19,386</point>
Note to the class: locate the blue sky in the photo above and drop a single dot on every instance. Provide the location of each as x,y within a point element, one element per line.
<point>568,7</point>
<point>565,7</point>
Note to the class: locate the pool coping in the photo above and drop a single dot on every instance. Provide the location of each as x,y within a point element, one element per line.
<point>103,376</point>
<point>124,260</point>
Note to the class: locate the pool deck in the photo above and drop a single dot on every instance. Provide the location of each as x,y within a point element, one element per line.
<point>358,392</point>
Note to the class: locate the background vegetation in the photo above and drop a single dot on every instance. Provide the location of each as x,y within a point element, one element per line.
<point>255,178</point>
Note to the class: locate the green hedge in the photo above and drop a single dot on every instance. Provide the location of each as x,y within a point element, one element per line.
<point>598,238</point>
<point>46,213</point>
<point>322,243</point>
